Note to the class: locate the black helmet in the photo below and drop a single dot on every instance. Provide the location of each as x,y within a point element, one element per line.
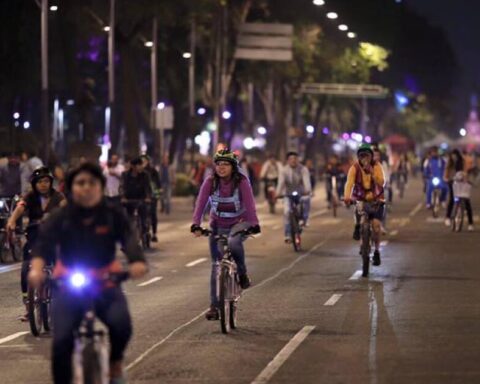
<point>40,173</point>
<point>91,168</point>
<point>226,155</point>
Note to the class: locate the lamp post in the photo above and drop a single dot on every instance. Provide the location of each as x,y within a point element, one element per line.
<point>45,121</point>
<point>111,131</point>
<point>153,88</point>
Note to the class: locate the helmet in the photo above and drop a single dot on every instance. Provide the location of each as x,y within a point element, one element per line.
<point>365,148</point>
<point>40,173</point>
<point>226,155</point>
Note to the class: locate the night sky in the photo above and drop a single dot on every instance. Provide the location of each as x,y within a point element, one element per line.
<point>461,20</point>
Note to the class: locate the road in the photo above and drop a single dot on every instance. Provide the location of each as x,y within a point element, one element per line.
<point>309,317</point>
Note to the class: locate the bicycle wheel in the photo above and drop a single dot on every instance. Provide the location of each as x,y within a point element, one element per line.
<point>46,306</point>
<point>233,314</point>
<point>436,204</point>
<point>458,217</point>
<point>365,250</point>
<point>34,310</point>
<point>295,232</point>
<point>16,248</point>
<point>334,206</point>
<point>92,371</point>
<point>224,300</point>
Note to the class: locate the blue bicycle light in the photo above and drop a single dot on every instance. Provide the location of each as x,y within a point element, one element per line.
<point>78,280</point>
<point>436,181</point>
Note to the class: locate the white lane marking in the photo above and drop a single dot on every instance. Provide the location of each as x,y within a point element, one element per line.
<point>12,337</point>
<point>384,243</point>
<point>318,213</point>
<point>404,222</point>
<point>140,358</point>
<point>415,210</point>
<point>10,268</point>
<point>356,275</point>
<point>333,300</point>
<point>394,232</point>
<point>283,355</point>
<point>372,352</point>
<point>195,262</point>
<point>151,281</point>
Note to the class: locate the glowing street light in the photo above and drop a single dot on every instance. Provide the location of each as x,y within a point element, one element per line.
<point>161,105</point>
<point>187,55</point>
<point>201,111</point>
<point>16,115</point>
<point>54,8</point>
<point>318,3</point>
<point>262,131</point>
<point>310,129</point>
<point>343,27</point>
<point>149,44</point>
<point>332,15</point>
<point>351,35</point>
<point>106,28</point>
<point>26,125</point>
<point>463,132</point>
<point>226,115</point>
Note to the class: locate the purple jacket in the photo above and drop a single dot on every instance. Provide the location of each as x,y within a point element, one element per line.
<point>226,190</point>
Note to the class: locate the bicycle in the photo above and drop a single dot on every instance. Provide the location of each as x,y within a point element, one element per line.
<point>39,304</point>
<point>91,352</point>
<point>366,211</point>
<point>228,285</point>
<point>458,214</point>
<point>10,243</point>
<point>142,228</point>
<point>295,218</point>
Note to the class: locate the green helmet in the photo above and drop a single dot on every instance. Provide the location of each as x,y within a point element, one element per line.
<point>226,155</point>
<point>365,148</point>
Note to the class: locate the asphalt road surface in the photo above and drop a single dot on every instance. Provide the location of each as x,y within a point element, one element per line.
<point>309,317</point>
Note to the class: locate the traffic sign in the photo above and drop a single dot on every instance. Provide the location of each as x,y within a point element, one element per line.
<point>349,90</point>
<point>164,118</point>
<point>261,41</point>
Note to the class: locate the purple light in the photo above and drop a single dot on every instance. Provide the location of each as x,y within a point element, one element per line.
<point>368,139</point>
<point>345,136</point>
<point>325,131</point>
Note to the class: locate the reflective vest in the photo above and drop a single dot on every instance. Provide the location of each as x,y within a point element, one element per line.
<point>359,190</point>
<point>216,200</point>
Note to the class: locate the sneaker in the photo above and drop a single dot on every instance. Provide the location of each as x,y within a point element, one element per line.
<point>470,228</point>
<point>212,313</point>
<point>448,222</point>
<point>154,239</point>
<point>244,281</point>
<point>376,258</point>
<point>356,232</point>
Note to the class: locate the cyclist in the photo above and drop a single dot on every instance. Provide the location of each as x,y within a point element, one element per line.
<point>334,168</point>
<point>135,190</point>
<point>84,234</point>
<point>455,163</point>
<point>294,177</point>
<point>434,170</point>
<point>38,204</point>
<point>155,187</point>
<point>230,195</point>
<point>270,173</point>
<point>365,183</point>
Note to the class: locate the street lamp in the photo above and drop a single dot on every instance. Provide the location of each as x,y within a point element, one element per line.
<point>262,131</point>
<point>332,15</point>
<point>226,115</point>
<point>187,55</point>
<point>463,132</point>
<point>343,27</point>
<point>16,115</point>
<point>26,124</point>
<point>54,8</point>
<point>318,2</point>
<point>201,111</point>
<point>149,44</point>
<point>351,35</point>
<point>161,105</point>
<point>106,28</point>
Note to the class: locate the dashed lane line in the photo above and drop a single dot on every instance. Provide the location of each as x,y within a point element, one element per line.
<point>10,268</point>
<point>283,355</point>
<point>12,337</point>
<point>333,300</point>
<point>415,210</point>
<point>394,232</point>
<point>151,281</point>
<point>356,275</point>
<point>196,262</point>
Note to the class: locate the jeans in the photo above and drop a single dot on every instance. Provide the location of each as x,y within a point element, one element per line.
<point>305,201</point>
<point>68,310</point>
<point>430,188</point>
<point>153,215</point>
<point>236,246</point>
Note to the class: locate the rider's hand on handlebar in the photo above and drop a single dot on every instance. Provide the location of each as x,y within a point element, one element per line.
<point>196,230</point>
<point>137,269</point>
<point>347,201</point>
<point>255,230</point>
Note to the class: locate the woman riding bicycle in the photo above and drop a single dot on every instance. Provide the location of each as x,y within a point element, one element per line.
<point>37,203</point>
<point>231,200</point>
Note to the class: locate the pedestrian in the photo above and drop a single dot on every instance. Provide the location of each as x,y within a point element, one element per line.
<point>167,180</point>
<point>28,163</point>
<point>10,177</point>
<point>113,175</point>
<point>455,163</point>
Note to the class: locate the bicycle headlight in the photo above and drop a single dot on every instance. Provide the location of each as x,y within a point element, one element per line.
<point>78,280</point>
<point>2,204</point>
<point>436,181</point>
<point>294,193</point>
